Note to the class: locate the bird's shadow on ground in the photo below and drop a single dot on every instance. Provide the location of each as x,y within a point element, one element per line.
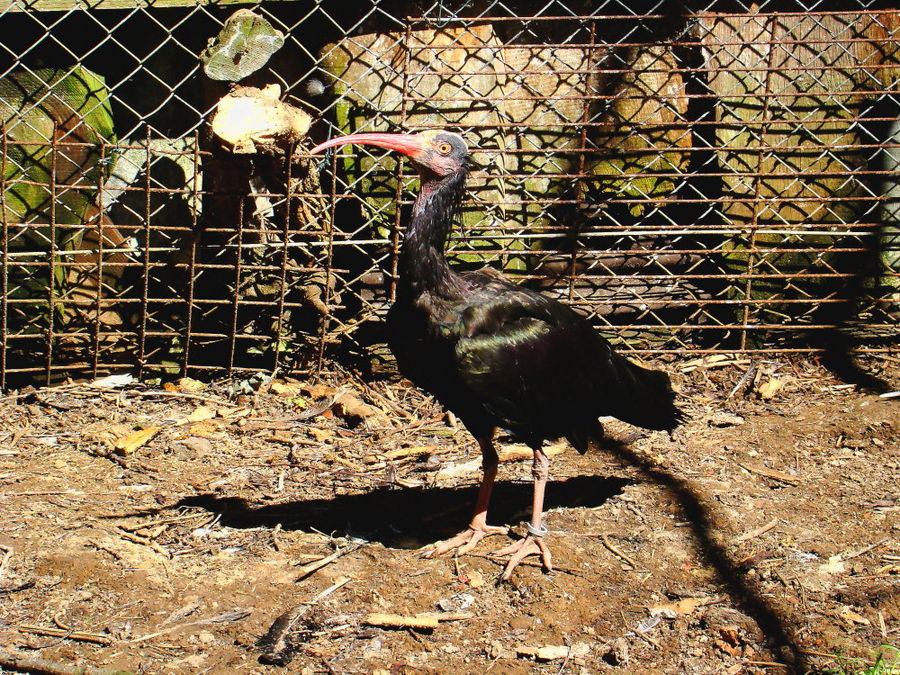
<point>405,517</point>
<point>746,595</point>
<point>415,517</point>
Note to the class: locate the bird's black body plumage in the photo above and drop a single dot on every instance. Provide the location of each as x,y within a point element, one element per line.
<point>500,355</point>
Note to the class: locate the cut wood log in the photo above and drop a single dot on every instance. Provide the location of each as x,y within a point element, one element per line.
<point>250,120</point>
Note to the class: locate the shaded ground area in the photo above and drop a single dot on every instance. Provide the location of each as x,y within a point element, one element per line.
<point>165,532</point>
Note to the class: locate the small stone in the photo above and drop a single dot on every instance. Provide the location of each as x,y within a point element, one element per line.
<point>579,650</point>
<point>457,602</point>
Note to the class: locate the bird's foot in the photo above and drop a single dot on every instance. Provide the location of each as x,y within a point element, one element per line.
<point>533,544</point>
<point>466,540</point>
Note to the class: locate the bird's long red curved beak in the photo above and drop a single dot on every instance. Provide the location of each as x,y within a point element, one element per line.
<point>409,144</point>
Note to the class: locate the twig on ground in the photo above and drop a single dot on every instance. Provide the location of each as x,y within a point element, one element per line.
<point>747,536</point>
<point>425,621</point>
<point>135,539</point>
<point>41,666</point>
<point>616,552</point>
<point>316,565</point>
<point>774,474</point>
<point>865,549</point>
<point>15,588</point>
<point>79,636</point>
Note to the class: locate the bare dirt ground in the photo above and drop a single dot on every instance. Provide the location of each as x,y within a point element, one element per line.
<point>166,532</point>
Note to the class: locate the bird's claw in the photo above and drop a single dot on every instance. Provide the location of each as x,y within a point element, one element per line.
<point>530,545</point>
<point>465,541</point>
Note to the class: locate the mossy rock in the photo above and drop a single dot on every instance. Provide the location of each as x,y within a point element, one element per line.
<point>68,109</point>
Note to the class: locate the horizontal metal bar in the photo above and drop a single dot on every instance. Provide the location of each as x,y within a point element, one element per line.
<point>658,96</point>
<point>564,71</point>
<point>754,14</point>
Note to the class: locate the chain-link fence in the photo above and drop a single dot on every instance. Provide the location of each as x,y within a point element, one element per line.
<point>709,178</point>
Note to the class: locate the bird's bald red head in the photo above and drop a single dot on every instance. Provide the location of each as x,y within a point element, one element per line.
<point>435,152</point>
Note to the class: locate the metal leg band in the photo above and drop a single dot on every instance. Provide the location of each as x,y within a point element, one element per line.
<point>535,532</point>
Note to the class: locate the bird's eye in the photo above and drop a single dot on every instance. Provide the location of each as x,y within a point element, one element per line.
<point>444,148</point>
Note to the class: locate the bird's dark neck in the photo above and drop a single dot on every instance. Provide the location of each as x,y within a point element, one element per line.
<point>425,267</point>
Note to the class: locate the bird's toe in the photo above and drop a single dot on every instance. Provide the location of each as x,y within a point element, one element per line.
<point>465,541</point>
<point>517,552</point>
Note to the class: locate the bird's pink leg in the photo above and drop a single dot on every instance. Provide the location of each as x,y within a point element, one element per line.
<point>533,544</point>
<point>478,528</point>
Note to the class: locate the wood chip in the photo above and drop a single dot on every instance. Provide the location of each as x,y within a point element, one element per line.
<point>774,474</point>
<point>713,361</point>
<point>546,653</point>
<point>411,452</point>
<point>128,444</point>
<point>681,607</point>
<point>520,451</point>
<point>448,616</point>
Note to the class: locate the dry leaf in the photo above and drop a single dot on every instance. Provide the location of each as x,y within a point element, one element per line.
<point>233,413</point>
<point>321,435</point>
<point>128,444</point>
<point>731,635</point>
<point>476,579</point>
<point>853,617</point>
<point>731,650</point>
<point>769,388</point>
<point>288,389</point>
<point>316,391</point>
<point>211,428</point>
<point>349,405</point>
<point>104,432</point>
<point>681,607</point>
<point>201,413</point>
<point>191,386</point>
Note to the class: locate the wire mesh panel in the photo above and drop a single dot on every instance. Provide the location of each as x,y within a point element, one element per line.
<point>718,178</point>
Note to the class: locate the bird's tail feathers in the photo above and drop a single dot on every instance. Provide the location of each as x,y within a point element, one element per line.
<point>586,436</point>
<point>644,397</point>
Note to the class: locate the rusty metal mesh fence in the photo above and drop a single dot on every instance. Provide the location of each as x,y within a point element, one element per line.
<point>719,178</point>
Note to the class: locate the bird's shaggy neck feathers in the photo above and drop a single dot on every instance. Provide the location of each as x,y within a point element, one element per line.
<point>424,266</point>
